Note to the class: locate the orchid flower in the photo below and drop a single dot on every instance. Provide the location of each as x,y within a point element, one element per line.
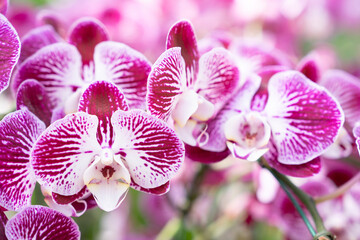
<point>287,125</point>
<point>184,86</point>
<point>9,48</point>
<point>66,69</point>
<point>38,222</point>
<point>105,149</point>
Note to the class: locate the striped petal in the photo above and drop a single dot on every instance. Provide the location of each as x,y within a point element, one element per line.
<point>57,67</point>
<point>304,118</point>
<point>9,49</point>
<point>64,151</point>
<point>85,34</point>
<point>125,67</point>
<point>218,77</point>
<point>166,82</point>
<point>182,35</point>
<point>150,149</point>
<point>18,132</point>
<point>103,99</point>
<point>32,95</point>
<point>346,89</point>
<point>38,222</point>
<point>37,39</point>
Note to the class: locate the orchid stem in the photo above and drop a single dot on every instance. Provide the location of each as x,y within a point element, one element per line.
<point>308,202</point>
<point>340,191</point>
<point>193,192</point>
<point>296,205</point>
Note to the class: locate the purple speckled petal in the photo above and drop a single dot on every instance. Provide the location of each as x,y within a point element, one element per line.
<point>218,77</point>
<point>125,67</point>
<point>38,222</point>
<point>64,151</point>
<point>165,83</point>
<point>9,51</point>
<point>346,89</point>
<point>304,118</point>
<point>37,39</point>
<point>85,34</point>
<point>182,35</point>
<point>32,95</point>
<point>18,132</point>
<point>4,6</point>
<point>57,67</point>
<point>103,99</point>
<point>152,151</point>
<point>302,170</point>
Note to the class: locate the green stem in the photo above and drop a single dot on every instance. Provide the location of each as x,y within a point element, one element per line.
<point>308,202</point>
<point>194,192</point>
<point>296,205</point>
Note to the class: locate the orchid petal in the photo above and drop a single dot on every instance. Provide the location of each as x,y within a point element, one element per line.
<point>200,155</point>
<point>239,103</point>
<point>218,77</point>
<point>356,133</point>
<point>32,95</point>
<point>85,34</point>
<point>152,151</point>
<point>57,67</point>
<point>156,191</point>
<point>302,170</point>
<point>165,83</point>
<point>37,39</point>
<point>63,200</point>
<point>18,132</point>
<point>125,67</point>
<point>346,89</point>
<point>103,99</point>
<point>64,151</point>
<point>309,68</point>
<point>38,222</point>
<point>108,183</point>
<point>304,118</point>
<point>10,51</point>
<point>182,35</point>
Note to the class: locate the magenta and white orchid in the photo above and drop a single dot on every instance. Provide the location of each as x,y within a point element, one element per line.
<point>106,148</point>
<point>66,69</point>
<point>184,86</point>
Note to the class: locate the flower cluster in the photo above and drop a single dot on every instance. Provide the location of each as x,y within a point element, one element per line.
<point>95,118</point>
